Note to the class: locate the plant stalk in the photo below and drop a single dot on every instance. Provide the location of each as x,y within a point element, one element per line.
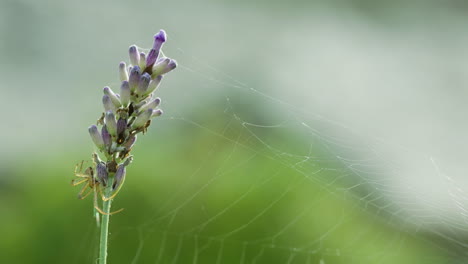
<point>104,230</point>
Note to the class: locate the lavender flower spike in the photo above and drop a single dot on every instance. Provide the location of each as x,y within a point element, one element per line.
<point>96,137</point>
<point>125,116</point>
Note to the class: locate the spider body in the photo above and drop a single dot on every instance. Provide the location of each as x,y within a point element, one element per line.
<point>88,177</point>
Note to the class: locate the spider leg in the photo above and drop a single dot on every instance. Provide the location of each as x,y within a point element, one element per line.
<point>81,166</point>
<point>76,182</point>
<point>99,209</point>
<point>114,193</point>
<point>81,195</point>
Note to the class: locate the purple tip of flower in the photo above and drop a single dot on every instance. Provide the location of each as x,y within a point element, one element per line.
<point>172,64</point>
<point>101,172</point>
<point>106,137</point>
<point>157,112</point>
<point>122,65</point>
<point>159,38</point>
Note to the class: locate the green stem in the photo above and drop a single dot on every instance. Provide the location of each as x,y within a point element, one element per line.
<point>104,231</point>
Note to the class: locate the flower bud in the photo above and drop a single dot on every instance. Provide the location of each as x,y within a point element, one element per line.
<point>119,176</point>
<point>152,104</point>
<point>115,100</point>
<point>142,60</point>
<point>111,123</point>
<point>170,66</point>
<point>121,126</point>
<point>142,118</point>
<point>159,39</point>
<point>154,84</point>
<point>134,78</point>
<point>123,71</point>
<point>101,173</point>
<point>130,142</point>
<point>106,137</point>
<point>134,55</point>
<point>160,66</point>
<point>108,105</point>
<point>152,57</point>
<point>125,93</point>
<point>156,113</point>
<point>96,137</point>
<point>143,84</point>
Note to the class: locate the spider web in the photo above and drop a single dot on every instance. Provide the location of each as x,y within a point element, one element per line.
<point>294,186</point>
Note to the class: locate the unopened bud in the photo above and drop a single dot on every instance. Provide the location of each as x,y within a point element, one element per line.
<point>160,66</point>
<point>130,142</point>
<point>142,60</point>
<point>170,66</point>
<point>121,126</point>
<point>115,100</point>
<point>96,137</point>
<point>156,113</point>
<point>101,172</point>
<point>134,55</point>
<point>106,137</point>
<point>142,118</point>
<point>111,123</point>
<point>143,84</point>
<point>152,57</point>
<point>152,104</point>
<point>159,39</point>
<point>134,78</point>
<point>123,71</point>
<point>125,93</point>
<point>154,84</point>
<point>108,105</point>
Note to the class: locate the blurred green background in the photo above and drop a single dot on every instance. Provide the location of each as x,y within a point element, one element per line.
<point>253,160</point>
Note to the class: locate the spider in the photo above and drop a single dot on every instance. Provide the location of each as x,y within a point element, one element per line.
<point>90,181</point>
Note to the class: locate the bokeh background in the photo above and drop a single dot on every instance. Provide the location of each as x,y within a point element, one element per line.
<point>294,131</point>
